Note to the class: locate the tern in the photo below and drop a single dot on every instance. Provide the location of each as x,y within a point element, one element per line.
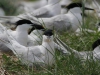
<point>20,34</point>
<point>41,54</point>
<point>65,22</point>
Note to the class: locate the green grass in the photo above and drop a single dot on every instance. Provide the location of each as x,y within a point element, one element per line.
<point>9,6</point>
<point>65,65</point>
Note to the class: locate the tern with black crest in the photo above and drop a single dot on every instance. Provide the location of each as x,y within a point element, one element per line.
<point>20,34</point>
<point>44,53</point>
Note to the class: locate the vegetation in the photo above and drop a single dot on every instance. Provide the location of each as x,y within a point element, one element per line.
<point>65,65</point>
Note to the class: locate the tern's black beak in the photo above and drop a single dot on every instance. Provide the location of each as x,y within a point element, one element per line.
<point>86,8</point>
<point>36,26</point>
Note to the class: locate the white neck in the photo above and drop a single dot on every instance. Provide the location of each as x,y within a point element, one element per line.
<point>53,1</point>
<point>49,52</point>
<point>49,46</point>
<point>21,36</point>
<point>75,10</point>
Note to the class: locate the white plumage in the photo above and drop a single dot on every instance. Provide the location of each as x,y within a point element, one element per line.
<point>70,21</point>
<point>43,53</point>
<point>65,22</point>
<point>20,34</point>
<point>22,37</point>
<point>36,38</point>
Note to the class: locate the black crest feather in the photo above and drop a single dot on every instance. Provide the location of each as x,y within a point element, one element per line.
<point>48,32</point>
<point>23,21</point>
<point>95,44</point>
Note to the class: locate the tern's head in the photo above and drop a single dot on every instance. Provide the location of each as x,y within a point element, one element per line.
<point>27,24</point>
<point>24,24</point>
<point>76,7</point>
<point>48,36</point>
<point>96,44</point>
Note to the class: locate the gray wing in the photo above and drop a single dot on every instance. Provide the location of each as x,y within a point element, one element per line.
<point>36,51</point>
<point>36,55</point>
<point>41,12</point>
<point>61,23</point>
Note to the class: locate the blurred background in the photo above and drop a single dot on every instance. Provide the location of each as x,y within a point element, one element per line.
<point>14,7</point>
